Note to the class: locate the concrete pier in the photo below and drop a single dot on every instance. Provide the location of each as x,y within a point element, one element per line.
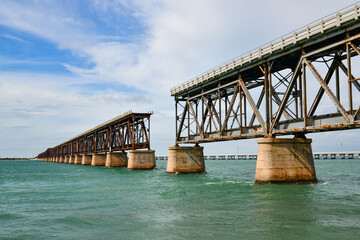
<point>66,159</point>
<point>98,159</point>
<point>77,159</point>
<point>86,160</point>
<point>116,159</point>
<point>186,160</point>
<point>71,159</point>
<point>141,159</point>
<point>284,160</point>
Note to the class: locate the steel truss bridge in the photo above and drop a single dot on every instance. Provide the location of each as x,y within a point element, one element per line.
<point>129,131</point>
<point>307,81</point>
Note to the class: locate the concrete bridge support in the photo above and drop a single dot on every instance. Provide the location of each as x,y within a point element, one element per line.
<point>186,160</point>
<point>116,159</point>
<point>61,159</point>
<point>86,160</point>
<point>284,160</point>
<point>71,159</point>
<point>141,159</point>
<point>98,159</point>
<point>66,159</point>
<point>77,159</point>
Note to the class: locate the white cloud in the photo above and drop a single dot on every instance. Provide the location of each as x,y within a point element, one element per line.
<point>9,36</point>
<point>181,39</point>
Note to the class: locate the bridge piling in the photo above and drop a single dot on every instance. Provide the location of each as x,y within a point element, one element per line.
<point>86,159</point>
<point>98,159</point>
<point>77,159</point>
<point>116,159</point>
<point>71,159</point>
<point>285,160</point>
<point>185,160</point>
<point>141,159</point>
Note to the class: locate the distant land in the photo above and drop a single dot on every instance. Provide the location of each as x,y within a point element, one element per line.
<point>13,159</point>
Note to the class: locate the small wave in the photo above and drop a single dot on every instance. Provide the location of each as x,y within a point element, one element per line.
<point>220,183</point>
<point>211,183</point>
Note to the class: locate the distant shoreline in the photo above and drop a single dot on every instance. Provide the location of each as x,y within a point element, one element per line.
<point>16,159</point>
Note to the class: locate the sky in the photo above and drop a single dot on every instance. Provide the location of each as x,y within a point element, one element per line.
<point>67,66</point>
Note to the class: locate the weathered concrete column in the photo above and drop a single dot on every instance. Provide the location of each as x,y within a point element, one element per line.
<point>57,159</point>
<point>186,160</point>
<point>86,160</point>
<point>71,159</point>
<point>116,159</point>
<point>61,159</point>
<point>284,160</point>
<point>141,159</point>
<point>98,159</point>
<point>66,159</point>
<point>77,159</point>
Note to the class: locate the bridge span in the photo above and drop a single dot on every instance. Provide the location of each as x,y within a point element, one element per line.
<point>301,83</point>
<point>317,155</point>
<point>105,144</point>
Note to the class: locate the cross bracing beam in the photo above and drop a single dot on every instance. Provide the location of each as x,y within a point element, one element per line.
<point>129,131</point>
<point>270,95</point>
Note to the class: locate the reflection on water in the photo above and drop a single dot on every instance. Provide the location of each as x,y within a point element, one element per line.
<point>42,200</point>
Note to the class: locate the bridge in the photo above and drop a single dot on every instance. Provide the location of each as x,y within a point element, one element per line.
<point>317,155</point>
<point>300,83</point>
<point>105,144</point>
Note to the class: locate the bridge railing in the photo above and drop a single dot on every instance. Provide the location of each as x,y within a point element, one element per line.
<point>352,13</point>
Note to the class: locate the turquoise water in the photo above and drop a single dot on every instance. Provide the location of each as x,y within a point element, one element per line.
<point>45,200</point>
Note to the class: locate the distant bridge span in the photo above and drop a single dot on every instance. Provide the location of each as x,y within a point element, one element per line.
<point>105,144</point>
<point>277,89</point>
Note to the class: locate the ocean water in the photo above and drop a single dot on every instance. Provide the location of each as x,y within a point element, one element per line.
<point>45,200</point>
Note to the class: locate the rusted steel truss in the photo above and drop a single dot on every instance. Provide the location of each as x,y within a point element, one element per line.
<point>129,132</point>
<point>308,88</point>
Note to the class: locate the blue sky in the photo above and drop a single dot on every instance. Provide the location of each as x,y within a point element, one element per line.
<point>66,66</point>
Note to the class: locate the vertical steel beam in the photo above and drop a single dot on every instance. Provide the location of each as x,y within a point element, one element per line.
<point>176,120</point>
<point>304,100</point>
<point>240,108</point>
<point>267,100</point>
<point>337,83</point>
<point>348,52</point>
